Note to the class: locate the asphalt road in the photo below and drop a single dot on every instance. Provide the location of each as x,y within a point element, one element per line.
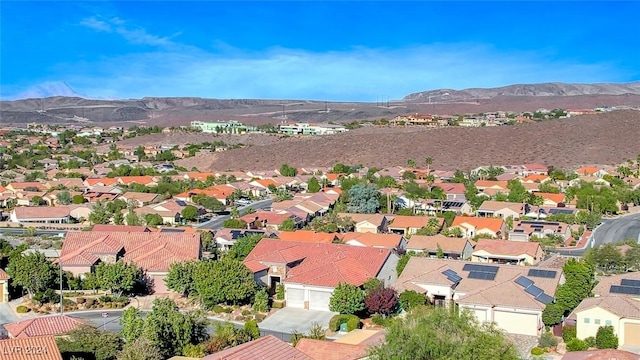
<point>611,231</point>
<point>217,222</point>
<point>19,230</point>
<point>111,322</point>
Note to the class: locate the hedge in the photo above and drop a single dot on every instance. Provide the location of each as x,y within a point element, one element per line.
<point>352,321</point>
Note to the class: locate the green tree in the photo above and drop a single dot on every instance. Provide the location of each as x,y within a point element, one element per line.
<point>410,299</point>
<point>119,277</point>
<point>139,152</point>
<point>77,199</point>
<point>234,224</point>
<point>190,213</point>
<point>208,242</point>
<point>63,198</point>
<point>132,324</point>
<point>244,245</point>
<point>402,262</point>
<point>180,277</point>
<point>287,225</point>
<point>99,214</point>
<point>313,186</point>
<point>140,349</point>
<point>152,219</point>
<point>347,299</point>
<point>286,170</point>
<point>364,199</point>
<point>132,219</point>
<point>224,281</point>
<point>517,191</point>
<point>86,340</point>
<point>261,301</point>
<point>411,163</point>
<point>606,338</point>
<point>443,334</point>
<point>32,272</point>
<point>118,218</point>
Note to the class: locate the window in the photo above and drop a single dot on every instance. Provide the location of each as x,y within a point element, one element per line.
<point>607,322</point>
<point>596,321</point>
<point>587,320</point>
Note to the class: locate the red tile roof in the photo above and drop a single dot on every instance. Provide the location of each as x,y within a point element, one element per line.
<point>264,348</point>
<point>493,224</point>
<point>329,350</point>
<point>41,212</point>
<point>4,275</point>
<point>40,326</point>
<point>321,264</point>
<point>506,247</point>
<point>152,251</point>
<point>307,236</point>
<point>373,240</point>
<point>119,228</point>
<point>607,354</point>
<point>40,348</point>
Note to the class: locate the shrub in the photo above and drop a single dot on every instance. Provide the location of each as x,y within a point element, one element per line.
<point>536,351</point>
<point>576,344</point>
<point>590,341</point>
<point>606,338</point>
<point>280,292</point>
<point>259,317</point>
<point>251,327</point>
<point>547,340</point>
<point>246,312</point>
<point>352,321</point>
<point>218,309</point>
<point>410,299</point>
<point>277,305</point>
<point>227,310</point>
<point>379,320</point>
<point>90,302</point>
<point>261,301</point>
<point>81,300</point>
<point>568,333</point>
<point>21,309</point>
<point>105,298</point>
<point>45,297</point>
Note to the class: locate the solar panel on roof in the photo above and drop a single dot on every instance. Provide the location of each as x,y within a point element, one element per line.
<point>533,290</point>
<point>449,272</point>
<point>630,282</point>
<point>487,268</point>
<point>524,281</point>
<point>181,203</point>
<point>468,267</point>
<point>454,278</point>
<point>482,275</point>
<point>550,274</point>
<point>620,289</point>
<point>544,298</point>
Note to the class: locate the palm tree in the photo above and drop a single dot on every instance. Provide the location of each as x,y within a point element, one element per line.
<point>428,161</point>
<point>411,163</point>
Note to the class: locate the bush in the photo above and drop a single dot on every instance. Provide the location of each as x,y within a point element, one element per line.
<point>227,310</point>
<point>410,299</point>
<point>246,312</point>
<point>105,298</point>
<point>568,333</point>
<point>90,302</point>
<point>251,327</point>
<point>547,340</point>
<point>21,309</point>
<point>81,300</point>
<point>576,344</point>
<point>606,338</point>
<point>352,321</point>
<point>590,341</point>
<point>261,301</point>
<point>536,351</point>
<point>259,317</point>
<point>218,309</point>
<point>280,292</point>
<point>277,305</point>
<point>379,320</point>
<point>45,297</point>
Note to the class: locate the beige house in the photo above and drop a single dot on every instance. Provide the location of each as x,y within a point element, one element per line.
<point>616,303</point>
<point>512,297</point>
<point>472,226</point>
<point>501,209</point>
<point>452,247</point>
<point>507,252</point>
<point>4,286</point>
<point>367,223</point>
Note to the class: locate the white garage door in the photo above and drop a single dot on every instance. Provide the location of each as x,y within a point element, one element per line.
<point>319,300</point>
<point>481,314</point>
<point>295,298</point>
<point>515,323</point>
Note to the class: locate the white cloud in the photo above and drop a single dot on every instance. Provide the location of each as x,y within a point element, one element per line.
<point>133,34</point>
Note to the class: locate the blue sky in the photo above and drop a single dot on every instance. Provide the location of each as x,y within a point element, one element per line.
<point>322,50</point>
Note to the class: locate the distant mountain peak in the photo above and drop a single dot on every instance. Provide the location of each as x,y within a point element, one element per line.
<point>541,89</point>
<point>50,89</point>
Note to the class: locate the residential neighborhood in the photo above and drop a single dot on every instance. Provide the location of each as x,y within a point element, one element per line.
<point>304,263</point>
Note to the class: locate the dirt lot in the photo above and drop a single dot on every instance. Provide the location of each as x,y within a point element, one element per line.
<point>595,139</point>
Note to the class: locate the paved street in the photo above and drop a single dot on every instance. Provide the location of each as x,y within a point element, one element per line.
<point>216,223</point>
<point>288,320</point>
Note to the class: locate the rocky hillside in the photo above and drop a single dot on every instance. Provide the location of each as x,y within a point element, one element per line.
<point>543,89</point>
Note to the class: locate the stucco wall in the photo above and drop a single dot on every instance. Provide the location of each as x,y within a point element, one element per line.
<point>388,273</point>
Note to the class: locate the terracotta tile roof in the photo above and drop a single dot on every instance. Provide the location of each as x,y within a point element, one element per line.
<point>119,228</point>
<point>376,219</point>
<point>372,240</point>
<point>320,264</point>
<point>143,197</point>
<point>24,185</point>
<point>491,205</point>
<point>41,212</point>
<point>200,175</point>
<point>308,236</point>
<point>143,180</point>
<point>603,287</point>
<point>152,251</point>
<point>479,223</point>
<point>406,222</point>
<point>101,181</point>
<point>607,354</point>
<point>588,170</point>
<point>484,184</point>
<point>506,247</point>
<point>623,306</point>
<point>39,347</point>
<point>328,350</point>
<point>4,275</point>
<point>535,177</point>
<point>452,188</point>
<point>362,337</point>
<point>46,325</point>
<point>556,198</point>
<point>536,167</point>
<point>269,217</point>
<point>447,244</point>
<point>264,348</point>
<point>502,291</point>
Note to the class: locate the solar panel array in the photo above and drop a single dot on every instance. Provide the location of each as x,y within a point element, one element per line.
<point>627,286</point>
<point>537,293</point>
<point>452,276</point>
<point>550,274</point>
<point>484,272</point>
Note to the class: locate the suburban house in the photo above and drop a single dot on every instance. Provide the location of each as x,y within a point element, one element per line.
<point>501,209</point>
<point>472,226</point>
<point>311,272</point>
<point>507,252</point>
<point>16,349</point>
<point>525,230</point>
<point>40,214</point>
<point>269,219</point>
<point>120,228</point>
<point>616,303</point>
<point>265,348</point>
<point>367,223</point>
<point>512,297</point>
<point>551,199</point>
<point>433,207</point>
<point>4,286</point>
<point>226,238</point>
<point>451,247</point>
<point>330,350</point>
<point>140,199</point>
<point>55,325</point>
<point>454,191</point>
<point>495,185</point>
<point>153,252</point>
<point>605,354</point>
<point>409,225</point>
<point>309,236</point>
<point>390,241</point>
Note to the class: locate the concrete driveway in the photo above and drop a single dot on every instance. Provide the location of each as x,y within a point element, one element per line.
<point>288,320</point>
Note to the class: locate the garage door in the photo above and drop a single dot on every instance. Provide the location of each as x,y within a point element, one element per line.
<point>632,334</point>
<point>159,286</point>
<point>295,298</point>
<point>515,323</point>
<point>319,300</point>
<point>1,292</point>
<point>480,314</point>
